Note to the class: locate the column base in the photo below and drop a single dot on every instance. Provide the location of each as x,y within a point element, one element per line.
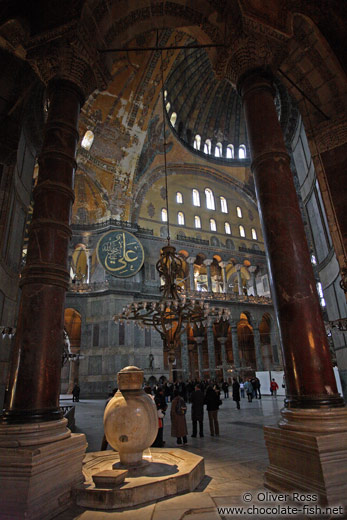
<point>309,455</point>
<point>37,477</point>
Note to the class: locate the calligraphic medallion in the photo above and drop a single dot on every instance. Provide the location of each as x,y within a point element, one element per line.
<point>120,253</point>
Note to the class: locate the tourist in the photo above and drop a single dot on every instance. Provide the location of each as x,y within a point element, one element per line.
<point>273,388</point>
<point>236,392</point>
<point>225,388</point>
<point>197,400</point>
<point>178,419</point>
<point>212,401</point>
<point>75,393</point>
<point>256,387</point>
<point>242,388</point>
<point>249,390</point>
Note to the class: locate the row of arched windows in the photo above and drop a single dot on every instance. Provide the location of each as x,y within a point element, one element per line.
<point>218,149</point>
<point>213,224</point>
<point>230,152</point>
<point>210,201</point>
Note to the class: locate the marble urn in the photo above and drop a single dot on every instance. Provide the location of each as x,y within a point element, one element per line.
<point>130,418</point>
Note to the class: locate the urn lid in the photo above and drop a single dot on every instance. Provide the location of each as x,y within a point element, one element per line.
<point>130,378</point>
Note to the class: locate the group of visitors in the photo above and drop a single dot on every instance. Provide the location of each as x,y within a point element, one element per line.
<point>203,393</point>
<point>251,387</point>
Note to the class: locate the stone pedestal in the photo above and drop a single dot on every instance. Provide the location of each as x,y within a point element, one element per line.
<point>39,465</point>
<point>307,462</point>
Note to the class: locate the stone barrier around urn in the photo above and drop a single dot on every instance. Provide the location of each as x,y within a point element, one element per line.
<point>130,418</point>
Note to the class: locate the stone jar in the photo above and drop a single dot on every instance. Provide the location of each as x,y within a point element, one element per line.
<point>130,418</point>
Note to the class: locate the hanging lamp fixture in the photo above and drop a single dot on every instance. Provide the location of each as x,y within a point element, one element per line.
<point>175,312</point>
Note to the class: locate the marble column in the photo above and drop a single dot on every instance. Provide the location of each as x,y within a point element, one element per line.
<point>184,356</point>
<point>211,352</point>
<point>222,342</point>
<point>191,261</point>
<point>208,263</point>
<point>34,383</point>
<point>235,345</point>
<point>257,346</point>
<point>90,259</point>
<point>252,269</point>
<point>309,374</point>
<point>223,265</point>
<point>239,278</point>
<point>199,340</point>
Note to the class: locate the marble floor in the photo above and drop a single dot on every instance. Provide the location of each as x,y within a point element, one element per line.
<point>235,462</point>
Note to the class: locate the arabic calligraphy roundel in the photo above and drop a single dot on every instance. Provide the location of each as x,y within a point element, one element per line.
<point>120,253</point>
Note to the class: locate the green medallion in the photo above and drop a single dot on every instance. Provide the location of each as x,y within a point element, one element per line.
<point>120,253</point>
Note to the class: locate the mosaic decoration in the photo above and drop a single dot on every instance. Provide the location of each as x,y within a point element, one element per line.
<point>120,253</point>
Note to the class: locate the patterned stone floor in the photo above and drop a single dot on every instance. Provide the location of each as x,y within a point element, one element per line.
<point>235,462</point>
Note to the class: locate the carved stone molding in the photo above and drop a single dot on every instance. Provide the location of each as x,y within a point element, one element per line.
<point>330,134</point>
<point>68,53</point>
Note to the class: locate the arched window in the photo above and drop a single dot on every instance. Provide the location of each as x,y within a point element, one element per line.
<point>196,198</point>
<point>168,107</point>
<point>254,234</point>
<point>218,151</point>
<point>227,228</point>
<point>180,218</point>
<point>230,151</point>
<point>207,146</point>
<point>239,211</point>
<point>179,198</point>
<point>242,151</point>
<point>197,221</point>
<point>173,118</point>
<point>242,231</point>
<point>87,140</point>
<point>223,205</point>
<point>209,199</point>
<point>213,226</point>
<point>197,142</point>
<point>164,215</point>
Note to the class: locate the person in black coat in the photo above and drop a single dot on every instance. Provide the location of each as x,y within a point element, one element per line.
<point>197,400</point>
<point>236,392</point>
<point>212,400</point>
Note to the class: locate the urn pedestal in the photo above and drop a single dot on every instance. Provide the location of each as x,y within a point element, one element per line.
<point>130,418</point>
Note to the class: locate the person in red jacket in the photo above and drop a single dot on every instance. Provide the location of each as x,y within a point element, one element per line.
<point>273,388</point>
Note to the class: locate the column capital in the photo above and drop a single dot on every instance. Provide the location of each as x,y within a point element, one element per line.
<point>190,260</point>
<point>208,262</point>
<point>68,53</point>
<point>223,264</point>
<point>238,267</point>
<point>252,268</point>
<point>248,52</point>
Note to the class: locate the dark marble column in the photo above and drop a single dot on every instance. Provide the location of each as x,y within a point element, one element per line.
<point>309,374</point>
<point>33,393</point>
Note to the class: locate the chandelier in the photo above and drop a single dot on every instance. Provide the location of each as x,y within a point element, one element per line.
<point>175,312</point>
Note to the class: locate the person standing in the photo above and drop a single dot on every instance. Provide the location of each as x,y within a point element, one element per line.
<point>249,390</point>
<point>212,401</point>
<point>273,388</point>
<point>197,400</point>
<point>76,393</point>
<point>236,392</point>
<point>225,388</point>
<point>242,388</point>
<point>178,419</point>
<point>256,387</point>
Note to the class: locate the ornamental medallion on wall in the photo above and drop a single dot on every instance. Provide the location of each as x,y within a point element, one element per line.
<point>120,253</point>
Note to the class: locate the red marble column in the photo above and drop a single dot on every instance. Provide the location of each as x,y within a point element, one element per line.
<point>33,393</point>
<point>310,379</point>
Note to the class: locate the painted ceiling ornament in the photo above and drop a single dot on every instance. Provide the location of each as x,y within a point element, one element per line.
<point>120,253</point>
